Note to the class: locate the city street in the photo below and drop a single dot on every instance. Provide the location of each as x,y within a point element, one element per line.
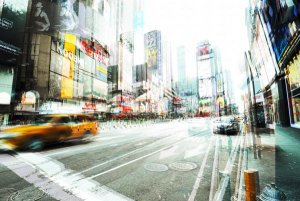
<point>175,160</point>
<point>149,100</point>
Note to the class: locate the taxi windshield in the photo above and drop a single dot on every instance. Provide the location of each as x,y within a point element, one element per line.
<point>43,120</point>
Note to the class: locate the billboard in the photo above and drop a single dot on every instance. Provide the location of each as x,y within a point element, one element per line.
<point>94,50</point>
<point>12,24</point>
<point>205,88</point>
<point>220,84</point>
<point>204,69</point>
<point>101,72</point>
<point>79,17</point>
<point>68,67</point>
<point>203,51</point>
<point>60,15</point>
<point>152,42</point>
<point>6,80</point>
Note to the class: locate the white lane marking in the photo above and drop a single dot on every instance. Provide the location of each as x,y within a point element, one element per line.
<point>74,149</point>
<point>127,154</point>
<point>225,181</point>
<point>200,174</point>
<point>244,167</point>
<point>239,169</point>
<point>137,159</point>
<point>28,173</point>
<point>167,153</point>
<point>77,185</point>
<point>91,146</point>
<point>194,152</point>
<point>215,171</point>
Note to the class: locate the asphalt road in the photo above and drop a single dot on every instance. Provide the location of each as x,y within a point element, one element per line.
<point>177,160</point>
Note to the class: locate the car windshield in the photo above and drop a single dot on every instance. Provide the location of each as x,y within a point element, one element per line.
<point>44,120</point>
<point>227,120</point>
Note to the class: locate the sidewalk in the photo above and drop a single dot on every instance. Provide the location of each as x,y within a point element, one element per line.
<point>276,155</point>
<point>288,161</point>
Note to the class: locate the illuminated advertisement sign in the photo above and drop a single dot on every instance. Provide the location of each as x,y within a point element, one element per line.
<point>61,15</point>
<point>153,50</point>
<point>220,83</point>
<point>79,17</point>
<point>101,72</point>
<point>94,50</point>
<point>12,24</point>
<point>205,88</point>
<point>204,68</point>
<point>6,79</point>
<point>203,51</point>
<point>68,68</point>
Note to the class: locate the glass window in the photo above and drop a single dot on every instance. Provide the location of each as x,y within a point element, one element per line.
<point>295,102</point>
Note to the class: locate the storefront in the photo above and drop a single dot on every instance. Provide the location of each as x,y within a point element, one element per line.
<point>292,71</point>
<point>6,85</point>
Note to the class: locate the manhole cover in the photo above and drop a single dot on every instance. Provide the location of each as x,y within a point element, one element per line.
<point>183,166</point>
<point>155,167</point>
<point>27,194</point>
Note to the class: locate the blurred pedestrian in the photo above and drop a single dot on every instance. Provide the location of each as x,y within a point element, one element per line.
<point>245,124</point>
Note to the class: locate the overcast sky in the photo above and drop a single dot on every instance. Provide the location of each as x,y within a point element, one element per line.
<point>190,21</point>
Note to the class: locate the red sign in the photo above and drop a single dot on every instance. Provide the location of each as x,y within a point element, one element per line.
<point>176,100</point>
<point>87,47</point>
<point>94,50</point>
<point>89,106</point>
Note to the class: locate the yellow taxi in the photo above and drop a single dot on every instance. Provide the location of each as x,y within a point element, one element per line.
<point>49,129</point>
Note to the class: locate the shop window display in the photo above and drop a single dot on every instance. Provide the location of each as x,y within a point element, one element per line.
<point>296,109</point>
<point>293,79</point>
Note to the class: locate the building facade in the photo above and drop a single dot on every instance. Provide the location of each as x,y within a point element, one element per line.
<point>61,63</point>
<point>206,79</point>
<point>274,46</point>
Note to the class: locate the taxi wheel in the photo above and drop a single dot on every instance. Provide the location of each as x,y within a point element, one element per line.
<point>35,144</point>
<point>87,136</point>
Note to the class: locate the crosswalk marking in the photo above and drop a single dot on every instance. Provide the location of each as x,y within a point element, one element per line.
<point>77,185</point>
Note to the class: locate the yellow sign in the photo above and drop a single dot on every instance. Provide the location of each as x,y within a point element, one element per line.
<point>67,84</point>
<point>67,88</point>
<point>102,69</point>
<point>221,102</point>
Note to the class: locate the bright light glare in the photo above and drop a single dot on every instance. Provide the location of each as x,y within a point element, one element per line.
<point>190,21</point>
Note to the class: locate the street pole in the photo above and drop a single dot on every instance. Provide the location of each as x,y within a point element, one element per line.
<point>254,103</point>
<point>220,110</point>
